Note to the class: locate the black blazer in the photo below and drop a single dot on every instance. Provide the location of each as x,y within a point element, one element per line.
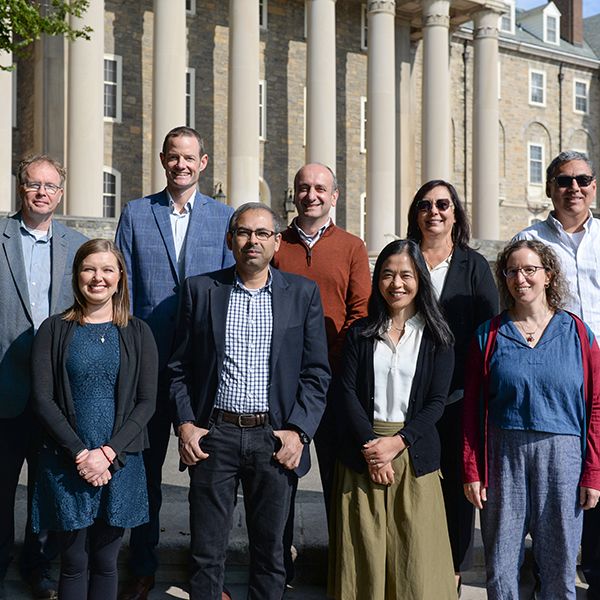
<point>426,403</point>
<point>136,386</point>
<point>299,368</point>
<point>469,298</point>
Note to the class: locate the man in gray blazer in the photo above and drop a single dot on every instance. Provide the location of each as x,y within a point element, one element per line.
<point>36,255</point>
<point>165,238</point>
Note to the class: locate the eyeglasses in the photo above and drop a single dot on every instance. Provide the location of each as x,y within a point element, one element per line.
<point>262,235</point>
<point>564,181</point>
<point>527,271</point>
<point>36,186</point>
<point>426,205</point>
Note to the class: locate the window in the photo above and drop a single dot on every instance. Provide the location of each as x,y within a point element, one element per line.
<point>262,14</point>
<point>362,216</point>
<point>537,88</point>
<point>536,163</point>
<point>190,7</point>
<point>112,88</point>
<point>262,110</point>
<point>111,193</point>
<point>580,96</point>
<point>551,36</point>
<point>190,97</point>
<point>507,20</point>
<point>363,124</point>
<point>364,27</point>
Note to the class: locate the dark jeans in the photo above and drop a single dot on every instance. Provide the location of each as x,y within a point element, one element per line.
<point>144,538</point>
<point>88,562</point>
<point>239,455</point>
<point>17,438</point>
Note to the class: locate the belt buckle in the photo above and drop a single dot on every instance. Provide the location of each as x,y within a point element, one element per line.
<point>243,420</point>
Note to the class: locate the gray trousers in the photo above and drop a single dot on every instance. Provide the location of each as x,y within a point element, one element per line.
<point>533,488</point>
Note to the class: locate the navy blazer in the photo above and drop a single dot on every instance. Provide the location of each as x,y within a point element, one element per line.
<point>145,237</point>
<point>299,368</point>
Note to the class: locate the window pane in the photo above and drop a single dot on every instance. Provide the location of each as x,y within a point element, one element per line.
<point>535,164</point>
<point>109,199</point>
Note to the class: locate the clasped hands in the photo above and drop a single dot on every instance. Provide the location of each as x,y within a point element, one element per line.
<point>379,454</point>
<point>93,465</point>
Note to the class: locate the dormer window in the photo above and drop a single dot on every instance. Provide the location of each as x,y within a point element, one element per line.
<point>551,29</point>
<point>507,20</point>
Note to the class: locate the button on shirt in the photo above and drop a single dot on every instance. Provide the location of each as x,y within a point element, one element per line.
<point>38,270</point>
<point>179,226</point>
<point>244,384</point>
<point>580,261</point>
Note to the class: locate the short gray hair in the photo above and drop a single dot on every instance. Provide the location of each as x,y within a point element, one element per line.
<point>565,157</point>
<point>235,217</point>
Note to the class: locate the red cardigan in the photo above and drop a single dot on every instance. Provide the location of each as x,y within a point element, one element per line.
<point>475,407</point>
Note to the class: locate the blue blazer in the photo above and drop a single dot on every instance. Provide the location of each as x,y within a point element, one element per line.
<point>299,368</point>
<point>16,321</point>
<point>145,237</point>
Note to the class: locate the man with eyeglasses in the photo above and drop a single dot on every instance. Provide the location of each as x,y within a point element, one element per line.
<point>249,377</point>
<point>574,234</point>
<point>35,282</point>
<point>166,237</point>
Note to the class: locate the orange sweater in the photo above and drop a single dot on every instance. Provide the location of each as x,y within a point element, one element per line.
<point>339,264</point>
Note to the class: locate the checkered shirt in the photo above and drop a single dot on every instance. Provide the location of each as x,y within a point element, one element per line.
<point>244,383</point>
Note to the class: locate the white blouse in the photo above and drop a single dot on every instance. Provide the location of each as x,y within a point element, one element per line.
<point>394,368</point>
<point>438,276</point>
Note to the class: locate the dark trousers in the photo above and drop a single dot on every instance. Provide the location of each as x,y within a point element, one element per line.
<point>18,437</point>
<point>238,455</point>
<point>144,538</point>
<point>590,551</point>
<point>88,562</point>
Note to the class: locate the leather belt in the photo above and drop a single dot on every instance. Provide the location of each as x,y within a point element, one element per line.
<point>242,419</point>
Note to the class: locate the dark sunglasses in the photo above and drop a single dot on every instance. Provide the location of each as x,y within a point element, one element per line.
<point>564,181</point>
<point>426,205</point>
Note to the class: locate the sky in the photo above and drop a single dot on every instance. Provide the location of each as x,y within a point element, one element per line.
<point>590,7</point>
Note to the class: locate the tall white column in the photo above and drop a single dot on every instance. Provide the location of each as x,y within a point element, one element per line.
<point>321,84</point>
<point>85,120</point>
<point>486,211</point>
<point>436,91</point>
<point>168,78</point>
<point>6,117</point>
<point>381,128</point>
<point>243,166</point>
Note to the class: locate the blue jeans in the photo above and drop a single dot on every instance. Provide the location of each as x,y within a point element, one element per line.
<point>239,455</point>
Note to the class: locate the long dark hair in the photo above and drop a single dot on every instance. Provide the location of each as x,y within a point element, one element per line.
<point>460,230</point>
<point>425,300</point>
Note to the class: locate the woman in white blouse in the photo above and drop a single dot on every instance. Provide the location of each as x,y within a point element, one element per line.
<point>389,538</point>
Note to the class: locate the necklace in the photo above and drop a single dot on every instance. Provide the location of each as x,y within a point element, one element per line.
<point>400,330</point>
<point>530,335</point>
<point>104,332</point>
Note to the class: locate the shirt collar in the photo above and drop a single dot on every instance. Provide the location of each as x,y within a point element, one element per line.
<point>309,238</point>
<point>30,231</point>
<point>237,283</point>
<point>558,226</point>
<point>187,207</point>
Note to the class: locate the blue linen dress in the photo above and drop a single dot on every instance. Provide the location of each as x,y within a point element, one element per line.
<point>62,500</point>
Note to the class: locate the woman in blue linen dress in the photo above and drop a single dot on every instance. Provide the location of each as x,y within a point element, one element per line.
<point>94,389</point>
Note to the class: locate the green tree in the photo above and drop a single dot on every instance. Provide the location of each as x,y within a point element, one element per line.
<point>22,22</point>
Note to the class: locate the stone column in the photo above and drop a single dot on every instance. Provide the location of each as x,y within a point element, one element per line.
<point>320,84</point>
<point>6,117</point>
<point>242,127</point>
<point>381,128</point>
<point>85,120</point>
<point>436,91</point>
<point>168,78</point>
<point>486,211</point>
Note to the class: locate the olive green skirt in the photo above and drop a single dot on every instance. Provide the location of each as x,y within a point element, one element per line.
<point>389,542</point>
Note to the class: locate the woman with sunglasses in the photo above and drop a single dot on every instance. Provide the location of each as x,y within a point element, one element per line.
<point>388,532</point>
<point>465,288</point>
<point>532,425</point>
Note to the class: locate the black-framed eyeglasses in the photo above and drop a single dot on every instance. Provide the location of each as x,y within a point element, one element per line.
<point>527,271</point>
<point>261,234</point>
<point>442,204</point>
<point>565,181</point>
<point>36,186</point>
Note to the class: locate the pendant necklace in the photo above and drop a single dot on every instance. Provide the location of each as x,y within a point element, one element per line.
<point>530,335</point>
<point>103,333</point>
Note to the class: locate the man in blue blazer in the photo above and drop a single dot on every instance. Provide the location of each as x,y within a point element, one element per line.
<point>36,255</point>
<point>165,238</point>
<point>249,378</point>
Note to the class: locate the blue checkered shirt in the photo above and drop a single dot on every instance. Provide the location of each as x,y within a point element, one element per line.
<point>244,383</point>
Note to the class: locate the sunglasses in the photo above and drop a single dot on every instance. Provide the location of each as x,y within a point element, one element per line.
<point>564,181</point>
<point>426,205</point>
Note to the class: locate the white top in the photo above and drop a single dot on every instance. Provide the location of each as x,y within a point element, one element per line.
<point>580,261</point>
<point>179,225</point>
<point>438,276</point>
<point>394,368</point>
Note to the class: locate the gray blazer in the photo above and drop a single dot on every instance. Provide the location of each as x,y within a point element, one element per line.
<point>16,323</point>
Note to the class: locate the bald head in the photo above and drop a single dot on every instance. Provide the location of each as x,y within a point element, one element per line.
<point>315,194</point>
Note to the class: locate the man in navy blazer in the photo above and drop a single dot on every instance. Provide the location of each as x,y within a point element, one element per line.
<point>249,378</point>
<point>165,238</point>
<point>36,255</point>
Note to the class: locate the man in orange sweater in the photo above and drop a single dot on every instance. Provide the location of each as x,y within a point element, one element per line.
<point>337,261</point>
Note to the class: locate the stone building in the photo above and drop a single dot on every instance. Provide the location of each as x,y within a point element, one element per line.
<point>474,91</point>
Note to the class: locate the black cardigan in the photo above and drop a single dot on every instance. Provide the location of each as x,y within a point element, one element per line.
<point>426,402</point>
<point>136,386</point>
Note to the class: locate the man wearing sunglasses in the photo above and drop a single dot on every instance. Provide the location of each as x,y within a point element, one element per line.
<point>574,234</point>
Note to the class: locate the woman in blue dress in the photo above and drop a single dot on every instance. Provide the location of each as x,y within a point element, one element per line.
<point>94,388</point>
